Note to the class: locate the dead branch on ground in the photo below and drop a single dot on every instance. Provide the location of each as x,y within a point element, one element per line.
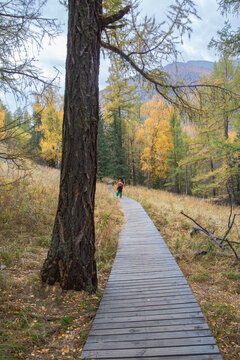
<point>218,240</point>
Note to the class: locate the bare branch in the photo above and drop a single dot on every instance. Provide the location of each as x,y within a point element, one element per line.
<point>217,240</point>
<point>205,231</point>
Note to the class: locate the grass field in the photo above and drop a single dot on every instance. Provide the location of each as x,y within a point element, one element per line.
<point>42,322</point>
<point>214,277</point>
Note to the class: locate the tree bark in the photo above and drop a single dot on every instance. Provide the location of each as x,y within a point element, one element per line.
<point>70,259</point>
<point>214,192</point>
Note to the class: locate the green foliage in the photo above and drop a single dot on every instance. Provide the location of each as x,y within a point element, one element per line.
<point>36,133</point>
<point>228,39</point>
<point>233,276</point>
<point>118,112</point>
<point>104,153</point>
<point>118,164</point>
<point>214,145</point>
<point>176,173</point>
<point>201,276</point>
<point>67,321</point>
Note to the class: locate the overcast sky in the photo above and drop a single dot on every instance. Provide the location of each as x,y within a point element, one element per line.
<point>195,48</point>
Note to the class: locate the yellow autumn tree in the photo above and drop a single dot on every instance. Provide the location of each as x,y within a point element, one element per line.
<point>155,136</point>
<point>51,127</point>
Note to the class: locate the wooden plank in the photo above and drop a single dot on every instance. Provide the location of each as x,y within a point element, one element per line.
<point>149,323</point>
<point>131,307</point>
<point>135,277</point>
<point>145,353</point>
<point>145,296</point>
<point>161,316</point>
<point>147,301</point>
<point>156,329</point>
<point>141,291</point>
<point>150,335</point>
<point>150,287</point>
<point>149,344</point>
<point>146,283</point>
<point>186,357</point>
<point>147,312</point>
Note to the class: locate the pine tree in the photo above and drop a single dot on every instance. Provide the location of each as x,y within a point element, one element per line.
<point>104,153</point>
<point>118,163</point>
<point>133,148</point>
<point>176,173</point>
<point>118,106</point>
<point>36,122</point>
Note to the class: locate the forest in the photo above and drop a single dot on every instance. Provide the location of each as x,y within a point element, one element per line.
<point>176,149</point>
<point>154,144</point>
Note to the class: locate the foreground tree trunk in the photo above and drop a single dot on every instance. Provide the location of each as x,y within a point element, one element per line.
<point>70,259</point>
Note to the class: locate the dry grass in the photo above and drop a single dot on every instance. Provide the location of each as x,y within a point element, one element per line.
<point>42,322</point>
<point>214,278</point>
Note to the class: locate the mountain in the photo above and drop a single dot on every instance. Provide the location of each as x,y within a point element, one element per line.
<point>190,72</point>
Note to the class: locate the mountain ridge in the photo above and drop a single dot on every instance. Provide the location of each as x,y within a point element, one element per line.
<point>189,72</point>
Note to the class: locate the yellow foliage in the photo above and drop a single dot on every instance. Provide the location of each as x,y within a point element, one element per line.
<point>51,127</point>
<point>155,135</point>
<point>232,136</point>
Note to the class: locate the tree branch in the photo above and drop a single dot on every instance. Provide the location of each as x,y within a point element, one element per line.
<point>205,231</point>
<point>217,240</point>
<point>115,17</point>
<point>162,87</point>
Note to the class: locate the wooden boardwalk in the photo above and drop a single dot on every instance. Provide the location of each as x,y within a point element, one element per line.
<point>148,310</point>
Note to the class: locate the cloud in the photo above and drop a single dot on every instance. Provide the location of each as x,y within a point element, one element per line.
<point>52,57</point>
<point>54,50</point>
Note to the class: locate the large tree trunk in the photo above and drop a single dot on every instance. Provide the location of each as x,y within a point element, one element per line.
<point>70,259</point>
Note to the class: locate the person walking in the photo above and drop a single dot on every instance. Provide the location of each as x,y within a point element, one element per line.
<point>119,188</point>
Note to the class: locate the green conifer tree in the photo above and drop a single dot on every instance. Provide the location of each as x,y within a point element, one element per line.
<point>176,173</point>
<point>104,155</point>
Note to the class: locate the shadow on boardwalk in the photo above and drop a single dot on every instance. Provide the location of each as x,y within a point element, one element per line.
<point>148,310</point>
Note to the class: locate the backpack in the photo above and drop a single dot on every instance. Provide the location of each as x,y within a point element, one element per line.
<point>120,187</point>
